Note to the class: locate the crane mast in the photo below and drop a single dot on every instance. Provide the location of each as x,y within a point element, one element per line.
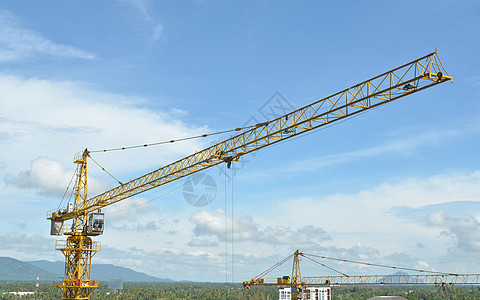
<point>87,220</point>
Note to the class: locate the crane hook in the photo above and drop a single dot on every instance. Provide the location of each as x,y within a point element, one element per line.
<point>229,160</point>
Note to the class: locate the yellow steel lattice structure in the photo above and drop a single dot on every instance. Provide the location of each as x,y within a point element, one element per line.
<point>407,79</point>
<point>432,279</point>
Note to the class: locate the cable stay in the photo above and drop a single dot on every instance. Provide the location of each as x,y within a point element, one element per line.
<point>119,182</point>
<point>374,265</point>
<point>176,140</point>
<point>259,276</point>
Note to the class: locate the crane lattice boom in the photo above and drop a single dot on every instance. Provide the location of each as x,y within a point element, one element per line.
<point>407,79</point>
<point>432,279</point>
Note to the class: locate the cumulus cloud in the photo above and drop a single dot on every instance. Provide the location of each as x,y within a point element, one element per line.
<point>244,229</point>
<point>465,230</point>
<point>50,178</point>
<point>18,42</point>
<point>437,218</point>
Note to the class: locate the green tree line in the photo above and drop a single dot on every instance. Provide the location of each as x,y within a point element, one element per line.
<point>214,291</point>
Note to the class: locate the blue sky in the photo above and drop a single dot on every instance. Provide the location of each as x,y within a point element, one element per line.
<point>398,185</point>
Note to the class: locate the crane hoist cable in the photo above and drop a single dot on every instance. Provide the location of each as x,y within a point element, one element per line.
<point>233,223</point>
<point>225,217</point>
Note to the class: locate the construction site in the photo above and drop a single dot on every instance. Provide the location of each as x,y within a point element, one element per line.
<point>88,220</point>
<point>223,150</point>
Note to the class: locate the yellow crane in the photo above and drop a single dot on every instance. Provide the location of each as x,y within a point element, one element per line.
<point>299,283</point>
<point>88,221</point>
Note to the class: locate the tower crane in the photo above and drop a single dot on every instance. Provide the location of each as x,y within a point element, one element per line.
<point>298,283</point>
<point>88,221</point>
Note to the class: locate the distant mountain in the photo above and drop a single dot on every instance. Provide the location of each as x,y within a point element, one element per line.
<point>107,272</point>
<point>104,272</point>
<point>56,268</point>
<point>13,269</point>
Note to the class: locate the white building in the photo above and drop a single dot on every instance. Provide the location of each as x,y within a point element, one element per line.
<point>311,293</point>
<point>20,293</point>
<point>285,294</point>
<point>317,293</point>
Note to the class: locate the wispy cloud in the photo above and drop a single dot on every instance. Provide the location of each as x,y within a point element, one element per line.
<point>202,243</point>
<point>148,27</point>
<point>18,42</point>
<point>474,80</point>
<point>37,114</point>
<point>400,146</point>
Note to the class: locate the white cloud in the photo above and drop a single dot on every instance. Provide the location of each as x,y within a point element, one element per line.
<point>244,229</point>
<point>202,243</point>
<point>18,42</point>
<point>368,216</point>
<point>50,178</point>
<point>44,123</point>
<point>437,218</point>
<point>148,26</point>
<point>392,146</point>
<point>58,119</point>
<point>422,265</point>
<point>150,226</point>
<point>193,264</point>
<point>465,231</point>
<point>32,246</point>
<point>129,211</point>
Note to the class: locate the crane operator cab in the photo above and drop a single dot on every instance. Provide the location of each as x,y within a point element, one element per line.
<point>96,223</point>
